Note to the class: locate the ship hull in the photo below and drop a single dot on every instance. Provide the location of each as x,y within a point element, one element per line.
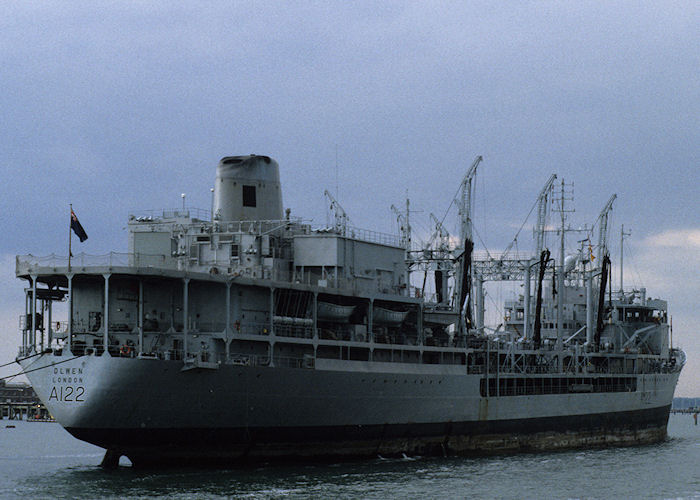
<point>229,446</point>
<point>156,414</point>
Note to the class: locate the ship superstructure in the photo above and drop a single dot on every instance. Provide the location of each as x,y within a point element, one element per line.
<point>247,333</point>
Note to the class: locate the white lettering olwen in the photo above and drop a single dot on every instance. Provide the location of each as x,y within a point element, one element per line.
<point>67,371</point>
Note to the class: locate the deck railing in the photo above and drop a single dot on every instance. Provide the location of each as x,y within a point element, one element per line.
<point>112,259</point>
<point>83,262</point>
<point>170,213</point>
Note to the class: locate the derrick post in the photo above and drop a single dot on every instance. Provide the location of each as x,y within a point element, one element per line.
<point>370,319</point>
<point>227,328</point>
<point>106,315</point>
<point>140,316</point>
<point>590,329</point>
<point>185,315</point>
<point>271,324</point>
<point>50,332</point>
<point>480,304</point>
<point>314,316</point>
<point>526,301</point>
<point>70,311</point>
<point>32,331</point>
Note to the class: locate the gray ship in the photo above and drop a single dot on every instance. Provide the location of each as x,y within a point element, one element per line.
<point>243,333</point>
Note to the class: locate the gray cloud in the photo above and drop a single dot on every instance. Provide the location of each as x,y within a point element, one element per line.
<point>116,107</point>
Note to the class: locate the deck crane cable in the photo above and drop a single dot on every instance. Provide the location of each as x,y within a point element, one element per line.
<point>422,229</point>
<point>494,303</point>
<point>472,172</point>
<point>603,220</point>
<point>442,221</point>
<point>540,201</point>
<point>631,259</point>
<point>439,230</point>
<point>515,238</point>
<point>439,227</point>
<point>482,242</point>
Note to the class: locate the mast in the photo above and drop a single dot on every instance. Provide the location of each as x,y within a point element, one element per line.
<point>560,285</point>
<point>622,240</point>
<point>542,213</point>
<point>564,197</point>
<point>408,247</point>
<point>70,234</point>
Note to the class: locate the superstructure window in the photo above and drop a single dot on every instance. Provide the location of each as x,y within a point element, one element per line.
<point>249,196</point>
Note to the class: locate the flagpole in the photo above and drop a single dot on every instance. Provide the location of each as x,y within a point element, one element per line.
<point>70,236</point>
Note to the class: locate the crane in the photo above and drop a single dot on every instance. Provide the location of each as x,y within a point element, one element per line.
<point>542,199</point>
<point>340,218</point>
<point>466,201</point>
<point>463,285</point>
<point>603,228</point>
<point>404,225</point>
<point>405,228</point>
<point>440,232</point>
<point>539,229</point>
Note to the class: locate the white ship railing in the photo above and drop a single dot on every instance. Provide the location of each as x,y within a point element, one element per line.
<point>170,213</point>
<point>112,259</point>
<point>483,256</point>
<point>373,236</point>
<point>260,226</point>
<point>83,262</point>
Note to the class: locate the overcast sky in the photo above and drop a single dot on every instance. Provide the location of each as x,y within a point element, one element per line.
<point>120,107</point>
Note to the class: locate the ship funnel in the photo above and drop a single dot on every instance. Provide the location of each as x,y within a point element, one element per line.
<point>247,188</point>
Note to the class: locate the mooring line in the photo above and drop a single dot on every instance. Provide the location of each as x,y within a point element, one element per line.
<point>40,368</point>
<point>21,359</point>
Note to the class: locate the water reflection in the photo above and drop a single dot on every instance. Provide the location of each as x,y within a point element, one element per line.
<point>667,470</point>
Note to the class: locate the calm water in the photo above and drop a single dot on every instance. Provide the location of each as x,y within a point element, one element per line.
<point>41,460</point>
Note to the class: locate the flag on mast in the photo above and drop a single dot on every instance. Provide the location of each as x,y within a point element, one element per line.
<point>76,227</point>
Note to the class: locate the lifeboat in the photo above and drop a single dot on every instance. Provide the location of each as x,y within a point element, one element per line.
<point>381,315</point>
<point>327,311</point>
